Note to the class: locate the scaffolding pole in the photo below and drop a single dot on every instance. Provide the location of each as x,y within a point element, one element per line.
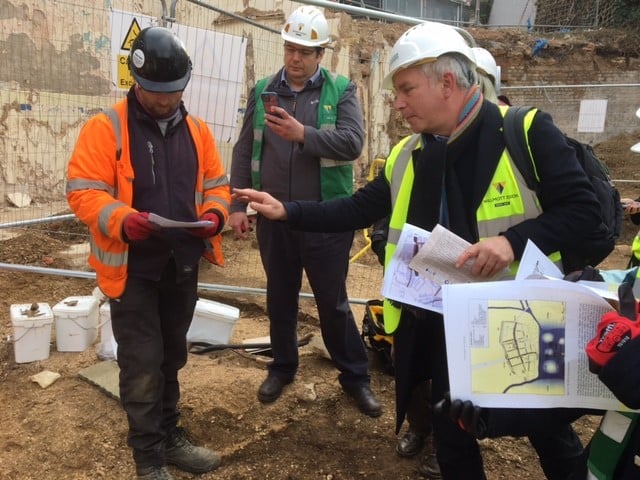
<point>214,287</point>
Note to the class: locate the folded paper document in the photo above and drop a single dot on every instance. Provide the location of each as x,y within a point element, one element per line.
<point>168,223</point>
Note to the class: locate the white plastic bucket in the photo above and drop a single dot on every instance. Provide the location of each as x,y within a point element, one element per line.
<point>31,331</point>
<point>212,322</point>
<point>76,320</point>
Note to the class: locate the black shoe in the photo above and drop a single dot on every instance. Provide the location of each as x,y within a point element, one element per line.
<point>429,467</point>
<point>154,473</point>
<point>366,400</point>
<point>271,388</point>
<point>189,457</point>
<point>410,444</point>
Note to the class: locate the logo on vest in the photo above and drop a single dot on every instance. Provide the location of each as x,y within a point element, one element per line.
<point>499,186</point>
<point>502,198</point>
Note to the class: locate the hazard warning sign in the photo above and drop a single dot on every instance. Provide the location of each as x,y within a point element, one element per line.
<point>125,29</point>
<point>125,80</point>
<point>132,33</point>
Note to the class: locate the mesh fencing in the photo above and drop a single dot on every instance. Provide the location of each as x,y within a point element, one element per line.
<point>576,13</point>
<point>57,69</point>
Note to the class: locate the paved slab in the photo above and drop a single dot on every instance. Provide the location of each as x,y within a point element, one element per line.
<point>103,375</point>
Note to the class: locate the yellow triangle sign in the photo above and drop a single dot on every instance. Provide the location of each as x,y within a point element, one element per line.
<point>132,33</point>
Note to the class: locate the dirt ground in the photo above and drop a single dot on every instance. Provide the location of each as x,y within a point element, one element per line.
<point>72,430</point>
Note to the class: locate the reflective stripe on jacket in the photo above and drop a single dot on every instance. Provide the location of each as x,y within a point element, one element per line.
<point>507,202</point>
<point>336,177</point>
<point>100,190</point>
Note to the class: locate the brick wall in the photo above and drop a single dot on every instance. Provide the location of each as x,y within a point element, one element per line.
<point>558,84</point>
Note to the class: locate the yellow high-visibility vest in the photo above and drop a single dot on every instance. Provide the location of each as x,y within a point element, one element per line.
<point>507,202</point>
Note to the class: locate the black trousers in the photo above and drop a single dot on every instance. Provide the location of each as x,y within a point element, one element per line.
<point>325,259</point>
<point>150,323</point>
<point>420,354</point>
<point>419,409</point>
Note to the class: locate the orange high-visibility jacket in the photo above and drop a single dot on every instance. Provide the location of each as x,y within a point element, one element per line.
<point>100,191</point>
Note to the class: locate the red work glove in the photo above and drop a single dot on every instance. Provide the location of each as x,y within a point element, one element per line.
<point>615,330</point>
<point>206,232</point>
<point>137,226</point>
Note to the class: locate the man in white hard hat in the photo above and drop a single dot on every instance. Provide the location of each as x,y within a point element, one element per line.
<point>303,148</point>
<point>418,414</point>
<point>454,171</point>
<point>488,73</point>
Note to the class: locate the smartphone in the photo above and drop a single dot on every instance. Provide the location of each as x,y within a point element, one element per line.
<point>270,99</point>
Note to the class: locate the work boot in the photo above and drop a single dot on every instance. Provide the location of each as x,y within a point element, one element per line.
<point>154,473</point>
<point>187,456</point>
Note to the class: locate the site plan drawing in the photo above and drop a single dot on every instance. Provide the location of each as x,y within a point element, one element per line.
<point>402,283</point>
<point>517,346</point>
<point>520,343</point>
<point>510,343</point>
<point>424,261</point>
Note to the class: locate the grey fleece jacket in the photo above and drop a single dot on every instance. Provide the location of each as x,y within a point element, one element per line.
<point>291,171</point>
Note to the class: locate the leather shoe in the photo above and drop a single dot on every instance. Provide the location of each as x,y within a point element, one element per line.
<point>366,400</point>
<point>410,444</point>
<point>429,467</point>
<point>271,388</point>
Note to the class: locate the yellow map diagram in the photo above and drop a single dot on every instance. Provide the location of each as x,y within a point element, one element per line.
<point>518,347</point>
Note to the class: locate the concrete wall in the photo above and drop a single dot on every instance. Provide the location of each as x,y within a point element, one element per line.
<point>512,12</point>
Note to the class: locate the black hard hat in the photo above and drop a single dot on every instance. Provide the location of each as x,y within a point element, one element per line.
<point>159,61</point>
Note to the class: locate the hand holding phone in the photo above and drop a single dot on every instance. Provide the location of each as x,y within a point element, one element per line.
<point>270,100</point>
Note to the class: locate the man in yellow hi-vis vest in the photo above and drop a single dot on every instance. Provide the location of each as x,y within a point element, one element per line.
<point>455,171</point>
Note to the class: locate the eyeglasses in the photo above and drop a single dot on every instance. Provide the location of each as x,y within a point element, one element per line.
<point>303,52</point>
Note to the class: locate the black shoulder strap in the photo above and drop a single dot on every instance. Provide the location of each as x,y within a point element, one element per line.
<point>515,140</point>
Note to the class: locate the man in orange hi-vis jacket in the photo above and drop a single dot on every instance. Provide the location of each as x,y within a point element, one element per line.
<point>144,156</point>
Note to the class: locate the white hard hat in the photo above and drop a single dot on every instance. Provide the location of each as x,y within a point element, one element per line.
<point>423,42</point>
<point>487,65</point>
<point>306,26</point>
